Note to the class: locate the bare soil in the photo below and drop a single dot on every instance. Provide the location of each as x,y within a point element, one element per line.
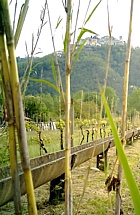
<point>96,199</point>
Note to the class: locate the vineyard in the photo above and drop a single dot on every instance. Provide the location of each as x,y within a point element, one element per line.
<point>54,162</point>
<point>96,202</point>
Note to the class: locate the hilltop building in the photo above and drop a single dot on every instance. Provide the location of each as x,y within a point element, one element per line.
<point>98,41</point>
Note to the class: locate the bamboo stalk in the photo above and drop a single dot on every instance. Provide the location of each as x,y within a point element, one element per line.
<point>18,108</point>
<point>19,116</point>
<point>72,122</point>
<point>14,169</point>
<point>67,148</point>
<point>57,64</point>
<point>124,108</point>
<point>81,105</point>
<point>68,182</point>
<point>108,60</point>
<point>41,96</point>
<point>100,116</point>
<point>10,118</point>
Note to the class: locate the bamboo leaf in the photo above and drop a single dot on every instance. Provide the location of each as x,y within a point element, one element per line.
<point>92,12</point>
<point>53,67</point>
<point>58,22</point>
<point>44,24</point>
<point>21,20</point>
<point>45,82</point>
<point>65,42</point>
<point>135,194</point>
<point>38,53</point>
<point>82,32</point>
<point>80,49</point>
<point>36,65</point>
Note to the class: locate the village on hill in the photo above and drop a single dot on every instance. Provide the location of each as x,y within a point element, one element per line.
<point>98,41</point>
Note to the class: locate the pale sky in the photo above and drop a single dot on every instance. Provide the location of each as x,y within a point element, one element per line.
<point>119,19</point>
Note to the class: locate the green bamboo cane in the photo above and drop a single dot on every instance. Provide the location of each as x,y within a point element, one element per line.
<point>124,107</point>
<point>18,108</point>
<point>68,181</point>
<point>11,127</point>
<point>12,139</point>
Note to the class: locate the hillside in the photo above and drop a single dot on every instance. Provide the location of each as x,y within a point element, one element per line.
<point>88,70</point>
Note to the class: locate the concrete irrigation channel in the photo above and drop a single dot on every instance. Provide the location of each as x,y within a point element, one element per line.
<point>50,166</point>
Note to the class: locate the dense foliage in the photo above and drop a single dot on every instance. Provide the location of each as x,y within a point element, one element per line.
<point>88,70</point>
<point>43,107</point>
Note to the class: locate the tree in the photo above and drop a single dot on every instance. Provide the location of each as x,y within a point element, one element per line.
<point>52,105</point>
<point>32,106</point>
<point>134,100</point>
<point>112,98</point>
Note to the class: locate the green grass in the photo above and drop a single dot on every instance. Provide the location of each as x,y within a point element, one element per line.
<point>4,148</point>
<point>51,140</point>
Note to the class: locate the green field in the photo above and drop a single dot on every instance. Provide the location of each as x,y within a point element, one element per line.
<point>51,141</point>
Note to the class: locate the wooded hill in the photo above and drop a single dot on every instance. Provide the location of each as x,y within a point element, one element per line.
<point>88,70</point>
